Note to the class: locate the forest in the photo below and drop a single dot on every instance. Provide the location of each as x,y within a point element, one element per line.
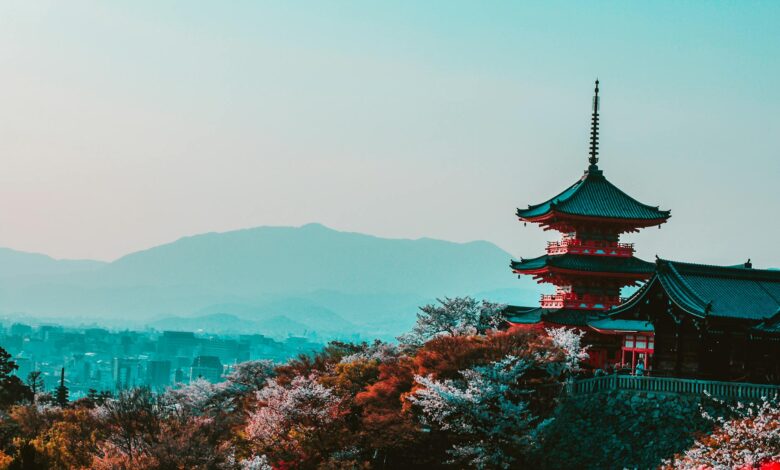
<point>457,391</point>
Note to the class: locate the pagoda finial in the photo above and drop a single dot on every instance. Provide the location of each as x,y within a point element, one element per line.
<point>594,130</point>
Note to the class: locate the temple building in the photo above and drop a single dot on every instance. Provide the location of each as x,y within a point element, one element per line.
<point>685,320</point>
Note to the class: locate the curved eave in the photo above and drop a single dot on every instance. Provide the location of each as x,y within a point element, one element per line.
<point>594,185</point>
<point>614,332</point>
<point>583,265</point>
<point>575,272</point>
<point>673,291</point>
<point>610,326</point>
<point>680,292</point>
<point>555,215</point>
<point>635,298</point>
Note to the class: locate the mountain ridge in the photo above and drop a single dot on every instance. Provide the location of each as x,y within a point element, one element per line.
<point>370,283</point>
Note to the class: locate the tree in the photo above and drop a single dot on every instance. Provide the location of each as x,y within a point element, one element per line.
<point>70,441</point>
<point>750,440</point>
<point>569,341</point>
<point>144,431</point>
<point>61,392</point>
<point>258,462</point>
<point>486,410</point>
<point>35,382</point>
<point>199,396</point>
<point>453,316</point>
<point>386,428</point>
<point>12,389</point>
<point>297,424</point>
<point>94,398</point>
<point>251,376</point>
<point>130,420</point>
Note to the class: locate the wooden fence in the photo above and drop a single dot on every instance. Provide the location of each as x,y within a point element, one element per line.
<point>726,390</point>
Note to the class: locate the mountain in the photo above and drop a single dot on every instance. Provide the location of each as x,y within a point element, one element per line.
<point>223,323</point>
<point>285,260</point>
<point>314,276</point>
<point>21,265</point>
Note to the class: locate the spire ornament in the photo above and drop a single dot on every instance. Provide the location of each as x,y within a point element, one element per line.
<point>594,130</point>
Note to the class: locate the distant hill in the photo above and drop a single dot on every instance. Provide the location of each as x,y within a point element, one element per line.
<point>314,276</point>
<point>21,265</point>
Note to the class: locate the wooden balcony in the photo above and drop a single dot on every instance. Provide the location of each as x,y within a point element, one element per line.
<point>724,390</point>
<point>576,301</point>
<point>590,247</point>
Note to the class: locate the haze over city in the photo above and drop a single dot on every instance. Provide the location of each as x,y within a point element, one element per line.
<point>124,127</point>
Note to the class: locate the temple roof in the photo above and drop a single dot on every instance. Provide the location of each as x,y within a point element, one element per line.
<point>557,316</point>
<point>596,264</point>
<point>771,326</point>
<point>621,325</point>
<point>739,292</point>
<point>594,196</point>
<point>573,317</point>
<point>525,315</point>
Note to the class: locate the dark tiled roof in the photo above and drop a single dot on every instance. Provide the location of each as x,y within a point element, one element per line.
<point>526,315</point>
<point>770,326</point>
<point>600,264</point>
<point>558,316</point>
<point>716,291</point>
<point>594,196</point>
<point>571,317</point>
<point>616,324</point>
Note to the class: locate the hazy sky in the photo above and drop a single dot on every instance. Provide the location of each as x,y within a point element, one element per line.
<point>128,124</point>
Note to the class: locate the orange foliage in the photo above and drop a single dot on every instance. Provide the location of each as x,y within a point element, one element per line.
<point>5,460</point>
<point>70,441</point>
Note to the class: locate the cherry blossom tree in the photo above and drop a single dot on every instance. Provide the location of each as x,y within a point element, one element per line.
<point>751,440</point>
<point>569,340</point>
<point>258,462</point>
<point>486,410</point>
<point>453,316</point>
<point>198,397</point>
<point>295,423</point>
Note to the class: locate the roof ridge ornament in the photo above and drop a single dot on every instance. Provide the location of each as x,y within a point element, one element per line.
<point>594,131</point>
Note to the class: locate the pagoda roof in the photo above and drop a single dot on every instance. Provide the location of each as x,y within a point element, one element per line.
<point>525,315</point>
<point>737,292</point>
<point>598,321</point>
<point>587,263</point>
<point>556,316</point>
<point>593,196</point>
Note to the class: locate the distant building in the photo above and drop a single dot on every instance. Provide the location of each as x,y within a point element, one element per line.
<point>177,343</point>
<point>158,374</point>
<point>228,350</point>
<point>206,367</point>
<point>126,373</point>
<point>20,329</point>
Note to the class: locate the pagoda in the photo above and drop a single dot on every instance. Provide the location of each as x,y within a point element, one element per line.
<point>589,264</point>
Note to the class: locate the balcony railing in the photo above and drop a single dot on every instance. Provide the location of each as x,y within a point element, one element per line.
<point>577,301</point>
<point>728,390</point>
<point>590,247</point>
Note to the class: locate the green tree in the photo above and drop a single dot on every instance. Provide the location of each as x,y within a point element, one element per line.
<point>12,389</point>
<point>35,382</point>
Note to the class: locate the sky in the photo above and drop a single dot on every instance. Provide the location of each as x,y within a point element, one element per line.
<point>124,125</point>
